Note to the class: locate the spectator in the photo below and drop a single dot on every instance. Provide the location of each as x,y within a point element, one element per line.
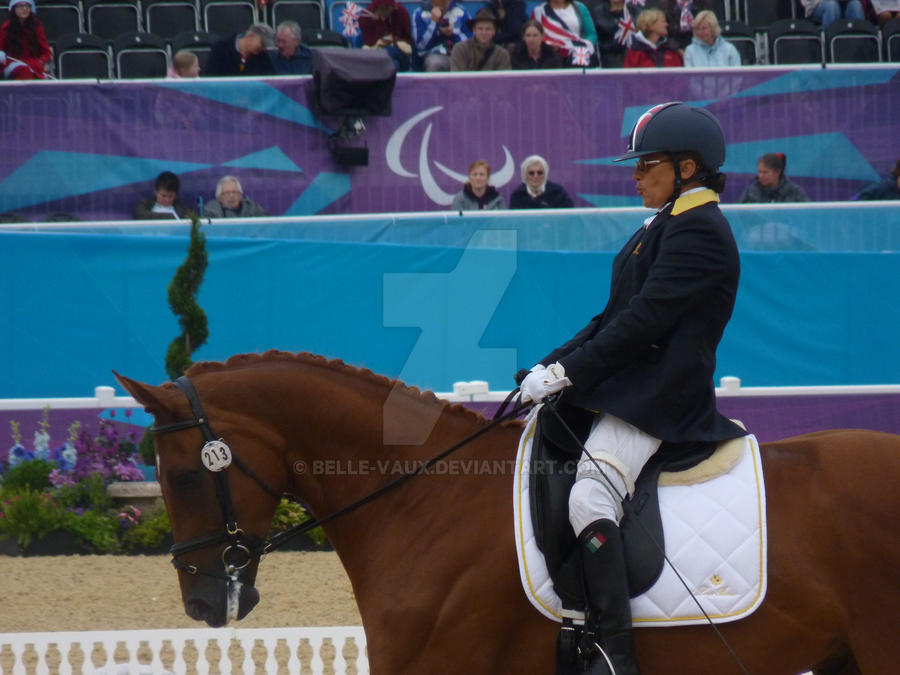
<point>24,51</point>
<point>185,64</point>
<point>680,16</point>
<point>290,56</point>
<point>771,185</point>
<point>230,201</point>
<point>242,53</point>
<point>536,192</point>
<point>709,49</point>
<point>649,48</point>
<point>512,16</point>
<point>889,188</point>
<point>437,27</point>
<point>386,25</point>
<point>477,194</point>
<point>612,38</point>
<point>884,10</point>
<point>480,53</point>
<point>568,26</point>
<point>165,203</point>
<point>532,52</point>
<point>829,11</point>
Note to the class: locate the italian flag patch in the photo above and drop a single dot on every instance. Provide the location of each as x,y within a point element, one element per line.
<point>595,542</point>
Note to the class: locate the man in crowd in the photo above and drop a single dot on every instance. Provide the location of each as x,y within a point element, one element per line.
<point>290,56</point>
<point>480,53</point>
<point>242,54</point>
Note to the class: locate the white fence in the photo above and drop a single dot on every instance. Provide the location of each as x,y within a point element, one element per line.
<point>336,650</point>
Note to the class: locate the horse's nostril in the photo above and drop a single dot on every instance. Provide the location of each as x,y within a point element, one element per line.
<point>197,609</point>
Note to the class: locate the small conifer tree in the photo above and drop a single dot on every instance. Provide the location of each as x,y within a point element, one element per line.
<point>183,302</point>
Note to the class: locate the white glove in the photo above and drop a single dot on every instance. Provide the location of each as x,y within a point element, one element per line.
<point>2,56</point>
<point>541,382</point>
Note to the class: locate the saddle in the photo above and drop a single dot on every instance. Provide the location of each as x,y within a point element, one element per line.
<point>554,458</point>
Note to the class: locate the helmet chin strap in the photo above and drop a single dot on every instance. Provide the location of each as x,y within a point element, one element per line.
<point>676,166</point>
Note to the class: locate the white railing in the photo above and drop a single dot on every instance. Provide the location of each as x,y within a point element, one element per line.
<point>476,391</point>
<point>338,649</point>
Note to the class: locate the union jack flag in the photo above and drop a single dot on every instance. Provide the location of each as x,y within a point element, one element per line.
<point>581,56</point>
<point>687,16</point>
<point>626,29</point>
<point>637,3</point>
<point>350,19</point>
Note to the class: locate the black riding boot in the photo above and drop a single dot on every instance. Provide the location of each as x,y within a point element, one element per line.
<point>609,609</point>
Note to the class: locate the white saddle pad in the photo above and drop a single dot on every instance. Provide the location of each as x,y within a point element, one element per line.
<point>715,536</point>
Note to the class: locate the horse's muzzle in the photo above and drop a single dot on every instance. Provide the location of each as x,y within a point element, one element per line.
<point>212,606</point>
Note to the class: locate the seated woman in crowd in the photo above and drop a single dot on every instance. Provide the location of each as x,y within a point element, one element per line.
<point>649,48</point>
<point>568,26</point>
<point>436,28</point>
<point>476,193</point>
<point>24,50</point>
<point>536,192</point>
<point>532,52</point>
<point>165,203</point>
<point>230,201</point>
<point>386,25</point>
<point>771,185</point>
<point>708,48</point>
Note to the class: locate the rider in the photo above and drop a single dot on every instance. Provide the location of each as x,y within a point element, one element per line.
<point>645,364</point>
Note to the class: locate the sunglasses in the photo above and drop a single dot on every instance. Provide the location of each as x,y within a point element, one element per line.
<point>644,165</point>
<point>536,173</point>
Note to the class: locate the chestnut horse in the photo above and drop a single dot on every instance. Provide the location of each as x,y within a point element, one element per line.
<point>433,562</point>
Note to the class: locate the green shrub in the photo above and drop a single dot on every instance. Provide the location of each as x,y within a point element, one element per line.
<point>88,493</point>
<point>148,532</point>
<point>29,515</point>
<point>31,475</point>
<point>288,514</point>
<point>97,530</point>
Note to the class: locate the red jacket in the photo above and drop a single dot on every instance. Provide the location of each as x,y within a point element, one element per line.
<point>26,53</point>
<point>642,55</point>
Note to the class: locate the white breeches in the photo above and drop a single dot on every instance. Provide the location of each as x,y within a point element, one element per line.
<point>619,451</point>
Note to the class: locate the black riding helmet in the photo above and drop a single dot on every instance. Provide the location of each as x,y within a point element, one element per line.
<point>676,128</point>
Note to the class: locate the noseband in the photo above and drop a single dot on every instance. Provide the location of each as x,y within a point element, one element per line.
<point>240,549</point>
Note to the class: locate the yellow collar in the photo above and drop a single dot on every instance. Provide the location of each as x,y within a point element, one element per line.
<point>693,200</point>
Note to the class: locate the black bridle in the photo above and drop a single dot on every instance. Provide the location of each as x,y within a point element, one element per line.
<point>241,549</point>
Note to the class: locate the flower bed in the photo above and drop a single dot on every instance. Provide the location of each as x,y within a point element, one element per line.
<point>77,498</point>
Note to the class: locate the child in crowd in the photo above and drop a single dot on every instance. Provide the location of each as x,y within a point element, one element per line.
<point>185,64</point>
<point>24,51</point>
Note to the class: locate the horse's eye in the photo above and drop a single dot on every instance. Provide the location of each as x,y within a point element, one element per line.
<point>187,479</point>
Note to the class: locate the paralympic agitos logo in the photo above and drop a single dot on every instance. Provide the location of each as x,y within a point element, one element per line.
<point>433,191</point>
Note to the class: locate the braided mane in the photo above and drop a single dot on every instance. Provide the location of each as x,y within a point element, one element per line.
<point>249,361</point>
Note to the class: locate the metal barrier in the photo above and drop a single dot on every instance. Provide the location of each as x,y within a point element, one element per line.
<point>335,649</point>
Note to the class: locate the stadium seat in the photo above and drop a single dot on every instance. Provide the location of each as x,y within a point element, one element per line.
<point>744,39</point>
<point>195,41</point>
<point>168,18</point>
<point>108,18</point>
<point>852,41</point>
<point>763,13</point>
<point>308,13</point>
<point>324,38</point>
<point>794,41</point>
<point>82,56</point>
<point>61,17</point>
<point>890,38</point>
<point>227,17</point>
<point>140,55</point>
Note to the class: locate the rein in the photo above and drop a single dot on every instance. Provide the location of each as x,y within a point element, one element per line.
<point>251,548</point>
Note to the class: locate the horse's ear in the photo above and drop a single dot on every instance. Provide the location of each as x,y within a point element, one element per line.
<point>154,399</point>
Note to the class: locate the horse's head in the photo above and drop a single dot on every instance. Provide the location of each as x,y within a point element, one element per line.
<point>220,497</point>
